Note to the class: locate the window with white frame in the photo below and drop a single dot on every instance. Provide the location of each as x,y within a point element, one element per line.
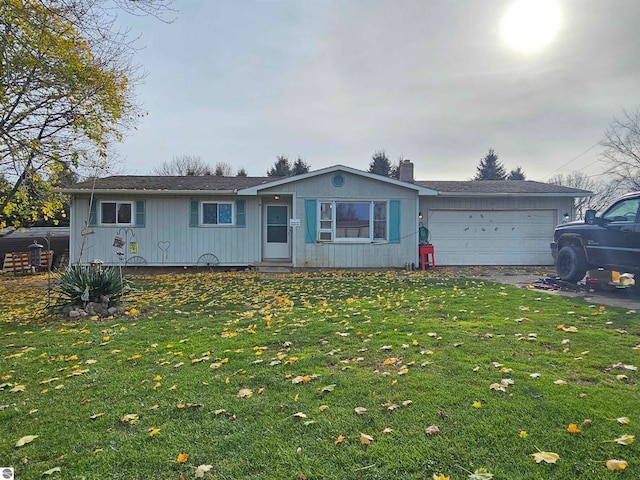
<point>353,221</point>
<point>116,213</point>
<point>217,213</point>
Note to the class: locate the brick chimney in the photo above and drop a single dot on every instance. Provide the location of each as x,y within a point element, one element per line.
<point>405,170</point>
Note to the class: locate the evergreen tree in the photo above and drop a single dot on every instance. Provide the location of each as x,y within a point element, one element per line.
<point>299,167</point>
<point>380,164</point>
<point>282,167</point>
<point>241,172</point>
<point>516,174</point>
<point>490,168</point>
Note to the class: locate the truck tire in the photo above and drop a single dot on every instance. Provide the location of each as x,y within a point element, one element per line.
<point>571,264</point>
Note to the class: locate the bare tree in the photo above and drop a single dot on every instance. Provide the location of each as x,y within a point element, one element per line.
<point>223,169</point>
<point>182,166</point>
<point>604,191</point>
<point>622,149</point>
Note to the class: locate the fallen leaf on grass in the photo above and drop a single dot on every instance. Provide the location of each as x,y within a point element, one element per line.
<point>360,410</point>
<point>202,469</point>
<point>547,457</point>
<point>328,388</point>
<point>623,420</point>
<point>300,415</point>
<point>439,477</point>
<point>365,439</point>
<point>245,393</point>
<point>182,457</point>
<point>573,428</point>
<point>625,440</point>
<point>153,431</point>
<point>432,430</point>
<point>97,415</point>
<point>52,471</point>
<point>25,440</point>
<point>130,418</point>
<point>615,465</point>
<point>480,474</point>
<point>339,440</point>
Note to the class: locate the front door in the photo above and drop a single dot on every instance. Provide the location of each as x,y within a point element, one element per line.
<point>276,243</point>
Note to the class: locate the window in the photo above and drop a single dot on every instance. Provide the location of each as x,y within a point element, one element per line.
<point>352,221</point>
<point>624,211</point>
<point>217,213</point>
<point>116,213</point>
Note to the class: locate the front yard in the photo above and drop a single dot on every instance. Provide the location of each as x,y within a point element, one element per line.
<point>330,375</point>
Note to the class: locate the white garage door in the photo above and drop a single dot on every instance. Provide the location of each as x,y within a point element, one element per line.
<point>492,237</point>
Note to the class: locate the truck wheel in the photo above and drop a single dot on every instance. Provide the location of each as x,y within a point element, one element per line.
<point>571,264</point>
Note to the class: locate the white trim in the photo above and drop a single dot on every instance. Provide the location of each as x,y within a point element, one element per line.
<point>131,222</point>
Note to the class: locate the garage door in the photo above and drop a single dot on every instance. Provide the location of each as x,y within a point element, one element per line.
<point>492,237</point>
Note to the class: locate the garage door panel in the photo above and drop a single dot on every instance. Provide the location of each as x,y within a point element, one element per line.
<point>501,237</point>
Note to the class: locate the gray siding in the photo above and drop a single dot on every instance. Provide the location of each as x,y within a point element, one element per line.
<point>352,255</point>
<point>167,239</point>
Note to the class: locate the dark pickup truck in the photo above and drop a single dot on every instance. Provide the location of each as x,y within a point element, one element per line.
<point>610,241</point>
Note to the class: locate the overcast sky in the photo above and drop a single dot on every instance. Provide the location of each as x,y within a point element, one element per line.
<point>332,82</point>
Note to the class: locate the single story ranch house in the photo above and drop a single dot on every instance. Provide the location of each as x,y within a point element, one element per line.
<point>335,217</point>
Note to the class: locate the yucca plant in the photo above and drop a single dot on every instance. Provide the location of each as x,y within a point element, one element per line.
<point>80,284</point>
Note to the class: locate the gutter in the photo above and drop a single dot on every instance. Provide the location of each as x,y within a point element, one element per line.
<point>514,194</point>
<point>113,191</point>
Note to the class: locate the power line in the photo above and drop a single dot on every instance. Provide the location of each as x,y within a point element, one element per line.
<point>574,158</point>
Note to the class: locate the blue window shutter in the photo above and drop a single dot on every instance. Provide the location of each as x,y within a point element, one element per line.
<point>194,214</point>
<point>140,213</point>
<point>394,221</point>
<point>93,213</point>
<point>241,216</point>
<point>310,221</point>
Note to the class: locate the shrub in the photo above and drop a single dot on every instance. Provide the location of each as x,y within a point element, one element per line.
<point>80,284</point>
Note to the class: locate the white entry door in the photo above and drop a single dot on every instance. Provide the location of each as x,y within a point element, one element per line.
<point>277,243</point>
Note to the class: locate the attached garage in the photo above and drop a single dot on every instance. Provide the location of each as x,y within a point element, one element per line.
<point>495,222</point>
<point>492,237</point>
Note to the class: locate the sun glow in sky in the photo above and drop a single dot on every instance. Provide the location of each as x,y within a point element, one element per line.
<point>530,25</point>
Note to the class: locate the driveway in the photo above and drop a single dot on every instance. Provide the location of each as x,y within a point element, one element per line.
<point>530,277</point>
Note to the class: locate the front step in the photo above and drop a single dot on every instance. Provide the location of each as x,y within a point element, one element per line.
<point>273,267</point>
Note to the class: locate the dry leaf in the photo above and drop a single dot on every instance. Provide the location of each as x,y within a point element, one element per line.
<point>476,404</point>
<point>365,439</point>
<point>480,474</point>
<point>623,420</point>
<point>339,440</point>
<point>52,470</point>
<point>614,465</point>
<point>25,440</point>
<point>182,457</point>
<point>441,476</point>
<point>573,428</point>
<point>360,410</point>
<point>547,457</point>
<point>300,415</point>
<point>245,393</point>
<point>153,431</point>
<point>202,469</point>
<point>387,430</point>
<point>432,430</point>
<point>625,439</point>
<point>130,418</point>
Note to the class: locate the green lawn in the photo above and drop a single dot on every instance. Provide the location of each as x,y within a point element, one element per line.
<point>329,375</point>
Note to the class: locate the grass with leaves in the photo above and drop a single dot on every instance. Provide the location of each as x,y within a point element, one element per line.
<point>330,375</point>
